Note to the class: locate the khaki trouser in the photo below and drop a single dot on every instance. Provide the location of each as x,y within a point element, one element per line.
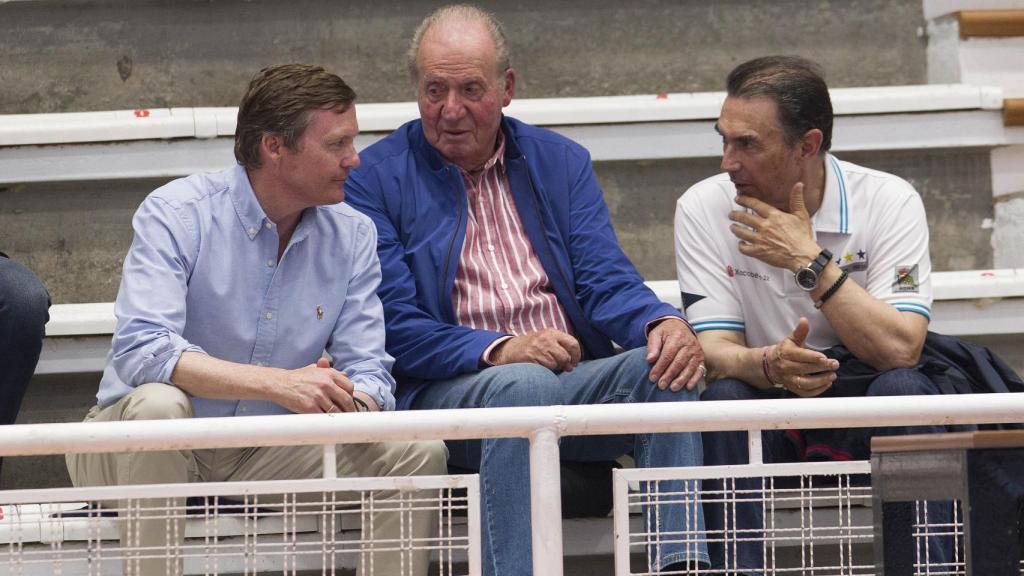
<point>161,401</point>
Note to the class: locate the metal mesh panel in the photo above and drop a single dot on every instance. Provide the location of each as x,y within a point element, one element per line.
<point>817,520</point>
<point>289,527</point>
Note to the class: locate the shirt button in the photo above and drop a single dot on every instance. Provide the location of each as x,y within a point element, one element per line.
<point>259,363</point>
<point>269,225</point>
<point>270,262</point>
<point>490,247</point>
<point>268,315</point>
<point>251,230</point>
<point>504,286</point>
<point>243,409</point>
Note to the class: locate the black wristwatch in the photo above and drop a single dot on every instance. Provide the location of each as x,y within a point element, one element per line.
<point>807,276</point>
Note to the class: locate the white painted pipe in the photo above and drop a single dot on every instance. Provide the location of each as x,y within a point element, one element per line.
<point>546,502</point>
<point>306,429</point>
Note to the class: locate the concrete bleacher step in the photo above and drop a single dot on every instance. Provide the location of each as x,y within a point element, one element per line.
<point>971,302</point>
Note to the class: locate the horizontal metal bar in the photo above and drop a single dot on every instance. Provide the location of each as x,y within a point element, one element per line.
<point>745,471</point>
<point>306,429</point>
<point>246,488</point>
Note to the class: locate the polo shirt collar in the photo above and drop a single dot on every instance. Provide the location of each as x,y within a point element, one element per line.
<point>834,213</point>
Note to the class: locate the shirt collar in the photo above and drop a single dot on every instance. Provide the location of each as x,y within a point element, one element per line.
<point>247,207</point>
<point>834,213</point>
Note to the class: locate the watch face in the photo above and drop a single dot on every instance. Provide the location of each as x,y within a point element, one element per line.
<point>807,279</point>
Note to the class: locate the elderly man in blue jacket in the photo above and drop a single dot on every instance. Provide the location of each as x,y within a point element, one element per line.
<point>504,285</point>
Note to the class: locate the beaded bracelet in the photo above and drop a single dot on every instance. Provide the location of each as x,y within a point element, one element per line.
<point>831,289</point>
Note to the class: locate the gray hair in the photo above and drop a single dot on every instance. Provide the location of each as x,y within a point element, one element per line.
<point>465,13</point>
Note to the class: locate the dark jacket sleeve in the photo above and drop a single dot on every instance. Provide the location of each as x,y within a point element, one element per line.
<point>424,347</point>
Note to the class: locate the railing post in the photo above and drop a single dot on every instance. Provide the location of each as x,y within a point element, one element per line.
<point>330,461</point>
<point>546,502</point>
<point>755,454</point>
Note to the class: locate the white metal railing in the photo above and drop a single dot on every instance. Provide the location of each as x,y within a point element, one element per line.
<point>170,142</point>
<point>541,425</point>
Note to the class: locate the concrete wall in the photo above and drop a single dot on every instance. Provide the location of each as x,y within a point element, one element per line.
<point>104,55</point>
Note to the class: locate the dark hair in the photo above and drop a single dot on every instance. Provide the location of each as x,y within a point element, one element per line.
<point>279,100</point>
<point>797,88</point>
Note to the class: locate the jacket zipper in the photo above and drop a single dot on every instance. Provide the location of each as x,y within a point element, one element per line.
<point>443,281</point>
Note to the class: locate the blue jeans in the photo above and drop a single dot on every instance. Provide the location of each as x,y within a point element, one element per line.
<point>721,448</point>
<point>24,306</point>
<point>504,463</point>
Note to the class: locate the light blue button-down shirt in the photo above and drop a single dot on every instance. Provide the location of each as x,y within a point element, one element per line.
<point>203,275</point>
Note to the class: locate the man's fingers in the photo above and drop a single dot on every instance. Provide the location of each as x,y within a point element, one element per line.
<point>341,399</point>
<point>572,347</point>
<point>687,377</point>
<point>323,363</point>
<point>654,342</point>
<point>762,208</point>
<point>742,232</point>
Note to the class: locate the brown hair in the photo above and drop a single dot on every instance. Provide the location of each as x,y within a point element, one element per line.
<point>279,100</point>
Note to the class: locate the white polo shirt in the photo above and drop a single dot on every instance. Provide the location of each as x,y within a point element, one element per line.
<point>872,222</point>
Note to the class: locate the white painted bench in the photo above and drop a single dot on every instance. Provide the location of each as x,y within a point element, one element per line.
<point>169,142</point>
<point>967,303</point>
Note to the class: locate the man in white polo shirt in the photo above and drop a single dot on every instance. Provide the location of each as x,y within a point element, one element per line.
<point>788,253</point>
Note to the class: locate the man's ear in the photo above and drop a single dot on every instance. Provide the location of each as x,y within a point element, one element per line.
<point>510,87</point>
<point>271,146</point>
<point>810,143</point>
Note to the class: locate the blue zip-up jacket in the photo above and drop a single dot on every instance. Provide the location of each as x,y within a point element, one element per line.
<point>418,203</point>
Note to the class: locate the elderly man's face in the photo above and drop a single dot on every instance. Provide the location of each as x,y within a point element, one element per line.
<point>461,93</point>
<point>755,153</point>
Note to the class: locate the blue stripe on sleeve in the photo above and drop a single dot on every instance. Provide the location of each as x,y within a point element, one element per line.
<point>913,307</point>
<point>703,325</point>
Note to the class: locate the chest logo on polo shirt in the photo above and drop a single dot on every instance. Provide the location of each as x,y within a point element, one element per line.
<point>906,279</point>
<point>734,272</point>
<point>319,312</point>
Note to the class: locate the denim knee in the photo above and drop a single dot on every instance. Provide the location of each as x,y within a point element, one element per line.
<point>902,382</point>
<point>729,389</point>
<point>522,384</point>
<point>635,368</point>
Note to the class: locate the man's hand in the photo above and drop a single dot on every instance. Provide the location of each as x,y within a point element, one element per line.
<point>552,349</point>
<point>315,389</point>
<point>802,371</point>
<point>781,239</point>
<point>676,354</point>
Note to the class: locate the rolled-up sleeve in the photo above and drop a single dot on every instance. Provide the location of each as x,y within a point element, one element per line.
<point>151,301</point>
<point>357,343</point>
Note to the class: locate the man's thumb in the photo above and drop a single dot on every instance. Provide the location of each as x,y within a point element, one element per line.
<point>799,334</point>
<point>796,199</point>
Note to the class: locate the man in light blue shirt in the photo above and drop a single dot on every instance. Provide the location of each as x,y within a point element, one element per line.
<point>235,284</point>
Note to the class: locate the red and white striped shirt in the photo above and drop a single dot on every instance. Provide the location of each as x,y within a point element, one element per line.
<point>500,284</point>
